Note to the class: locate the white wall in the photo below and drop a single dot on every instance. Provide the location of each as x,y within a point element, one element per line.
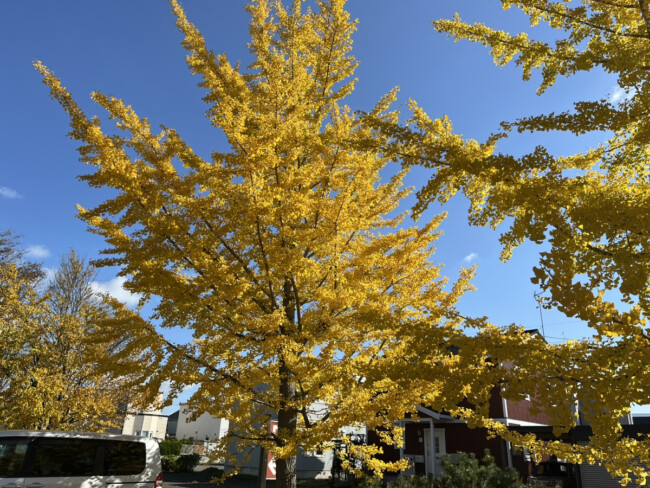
<point>146,425</point>
<point>150,423</point>
<point>204,426</point>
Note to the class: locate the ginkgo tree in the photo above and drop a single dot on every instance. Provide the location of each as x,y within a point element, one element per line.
<point>283,254</point>
<point>50,374</point>
<point>590,208</point>
<point>307,298</point>
<point>20,307</point>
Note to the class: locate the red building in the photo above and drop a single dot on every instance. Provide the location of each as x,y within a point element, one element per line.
<point>433,434</point>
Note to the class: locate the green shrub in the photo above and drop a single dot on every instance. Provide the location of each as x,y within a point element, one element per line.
<point>172,463</point>
<point>535,484</point>
<point>169,463</point>
<point>413,482</point>
<point>369,482</point>
<point>468,472</point>
<point>211,473</point>
<point>187,462</point>
<point>170,446</point>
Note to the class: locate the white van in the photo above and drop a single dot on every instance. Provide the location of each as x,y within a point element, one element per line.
<point>42,459</point>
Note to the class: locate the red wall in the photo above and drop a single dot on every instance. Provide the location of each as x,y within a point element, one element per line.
<point>516,410</point>
<point>460,438</point>
<point>413,444</point>
<point>496,404</point>
<point>521,411</point>
<point>390,452</point>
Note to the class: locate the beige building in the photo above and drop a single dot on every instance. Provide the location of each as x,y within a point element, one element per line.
<point>150,423</point>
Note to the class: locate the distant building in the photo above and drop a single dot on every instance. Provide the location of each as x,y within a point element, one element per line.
<point>433,434</point>
<point>312,464</point>
<point>587,475</point>
<point>642,419</point>
<point>172,424</point>
<point>203,427</point>
<point>148,423</point>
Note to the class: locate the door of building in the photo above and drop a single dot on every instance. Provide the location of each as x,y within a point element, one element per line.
<point>433,454</point>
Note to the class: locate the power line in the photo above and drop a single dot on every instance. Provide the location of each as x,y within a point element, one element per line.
<point>576,321</point>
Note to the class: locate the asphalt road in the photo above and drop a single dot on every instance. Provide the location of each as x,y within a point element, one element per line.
<point>196,480</point>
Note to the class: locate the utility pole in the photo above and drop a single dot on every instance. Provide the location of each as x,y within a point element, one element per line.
<point>261,470</point>
<point>538,298</point>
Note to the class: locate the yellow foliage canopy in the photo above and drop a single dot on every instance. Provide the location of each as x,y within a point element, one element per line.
<point>287,260</point>
<point>591,207</point>
<point>285,256</point>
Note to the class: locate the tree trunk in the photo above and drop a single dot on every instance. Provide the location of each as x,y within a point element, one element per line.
<point>287,425</point>
<point>287,414</point>
<point>286,472</point>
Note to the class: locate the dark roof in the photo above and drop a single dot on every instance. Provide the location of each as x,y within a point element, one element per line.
<point>642,419</point>
<point>173,416</point>
<point>579,433</point>
<point>535,332</point>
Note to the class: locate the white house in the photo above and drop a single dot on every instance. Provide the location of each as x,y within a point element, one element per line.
<point>204,427</point>
<point>316,464</point>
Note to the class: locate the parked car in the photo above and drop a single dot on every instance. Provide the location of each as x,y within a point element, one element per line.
<point>559,475</point>
<point>78,460</point>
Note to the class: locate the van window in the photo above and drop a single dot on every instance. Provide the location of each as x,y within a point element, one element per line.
<point>64,457</point>
<point>12,454</point>
<point>124,458</point>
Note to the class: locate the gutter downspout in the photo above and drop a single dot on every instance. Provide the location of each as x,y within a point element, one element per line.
<point>432,434</point>
<point>401,449</point>
<point>504,404</point>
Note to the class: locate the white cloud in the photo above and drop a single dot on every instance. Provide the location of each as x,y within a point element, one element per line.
<point>37,251</point>
<point>618,94</point>
<point>165,388</point>
<point>9,192</point>
<point>115,288</point>
<point>470,258</point>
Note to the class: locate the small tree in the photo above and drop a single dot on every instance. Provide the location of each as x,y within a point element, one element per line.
<point>52,349</point>
<point>20,310</point>
<point>170,447</point>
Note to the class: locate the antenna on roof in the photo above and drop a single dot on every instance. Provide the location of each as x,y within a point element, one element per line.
<point>538,297</point>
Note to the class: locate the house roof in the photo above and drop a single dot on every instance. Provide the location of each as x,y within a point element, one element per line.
<point>579,433</point>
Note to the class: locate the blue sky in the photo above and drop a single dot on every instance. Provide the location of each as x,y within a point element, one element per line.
<point>132,50</point>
